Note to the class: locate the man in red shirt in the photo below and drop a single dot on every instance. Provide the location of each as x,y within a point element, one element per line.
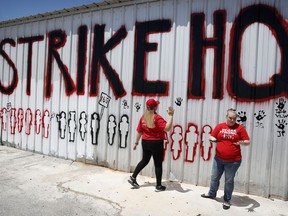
<point>229,136</point>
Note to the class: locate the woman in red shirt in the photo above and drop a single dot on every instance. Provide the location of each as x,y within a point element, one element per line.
<point>152,128</point>
<point>229,136</point>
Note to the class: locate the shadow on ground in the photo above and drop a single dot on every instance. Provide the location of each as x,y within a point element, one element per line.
<point>170,186</point>
<point>242,201</point>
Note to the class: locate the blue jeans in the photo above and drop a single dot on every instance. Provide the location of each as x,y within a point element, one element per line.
<point>230,169</point>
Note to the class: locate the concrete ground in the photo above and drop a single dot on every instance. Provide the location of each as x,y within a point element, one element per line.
<point>36,185</point>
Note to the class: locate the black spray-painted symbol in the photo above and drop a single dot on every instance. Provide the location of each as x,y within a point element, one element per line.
<point>125,104</point>
<point>281,126</point>
<point>280,106</point>
<point>242,118</point>
<point>259,117</point>
<point>137,106</point>
<point>178,101</point>
<point>280,110</point>
<point>280,113</point>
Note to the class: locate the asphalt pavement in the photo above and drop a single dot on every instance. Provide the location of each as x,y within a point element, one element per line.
<point>32,184</point>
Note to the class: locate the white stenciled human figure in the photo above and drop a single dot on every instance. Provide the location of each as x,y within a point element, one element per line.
<point>82,125</point>
<point>111,129</point>
<point>123,129</point>
<point>61,118</point>
<point>28,121</point>
<point>20,119</point>
<point>95,127</point>
<point>191,142</point>
<point>72,126</point>
<point>13,120</point>
<point>206,144</point>
<point>166,143</point>
<point>38,121</point>
<point>176,141</point>
<point>4,118</point>
<point>46,123</point>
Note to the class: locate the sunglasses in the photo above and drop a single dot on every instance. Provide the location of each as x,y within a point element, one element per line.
<point>231,109</point>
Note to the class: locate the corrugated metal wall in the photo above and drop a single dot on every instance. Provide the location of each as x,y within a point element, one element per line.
<point>74,85</point>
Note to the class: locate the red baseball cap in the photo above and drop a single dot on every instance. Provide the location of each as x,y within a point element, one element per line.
<point>151,103</point>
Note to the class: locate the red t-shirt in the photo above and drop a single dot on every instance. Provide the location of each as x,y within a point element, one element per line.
<point>156,133</point>
<point>226,136</point>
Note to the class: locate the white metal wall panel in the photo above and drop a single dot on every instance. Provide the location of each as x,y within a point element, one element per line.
<point>99,126</point>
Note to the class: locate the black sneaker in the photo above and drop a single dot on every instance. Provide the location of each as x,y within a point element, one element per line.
<point>226,205</point>
<point>133,182</point>
<point>160,188</point>
<point>207,196</point>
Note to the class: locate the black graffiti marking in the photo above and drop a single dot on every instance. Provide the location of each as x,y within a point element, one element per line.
<point>14,80</point>
<point>125,104</point>
<point>137,106</point>
<point>141,85</point>
<point>281,126</point>
<point>281,104</point>
<point>30,41</point>
<point>238,87</point>
<point>198,45</point>
<point>100,48</point>
<point>178,101</point>
<point>280,111</point>
<point>260,115</point>
<point>57,40</point>
<point>242,117</point>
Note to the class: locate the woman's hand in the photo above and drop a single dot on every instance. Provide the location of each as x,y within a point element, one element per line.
<point>170,111</point>
<point>237,143</point>
<point>242,142</point>
<point>135,146</point>
<point>213,139</point>
<point>169,123</point>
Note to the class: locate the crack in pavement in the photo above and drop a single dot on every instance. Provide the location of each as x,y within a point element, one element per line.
<point>115,205</point>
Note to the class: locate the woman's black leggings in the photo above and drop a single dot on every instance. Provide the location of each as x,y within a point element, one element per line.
<point>150,148</point>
